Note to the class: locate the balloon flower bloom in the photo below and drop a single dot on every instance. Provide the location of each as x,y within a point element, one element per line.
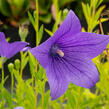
<point>19,107</point>
<point>67,55</point>
<point>10,49</point>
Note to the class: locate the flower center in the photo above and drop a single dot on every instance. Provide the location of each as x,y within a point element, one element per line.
<point>56,51</point>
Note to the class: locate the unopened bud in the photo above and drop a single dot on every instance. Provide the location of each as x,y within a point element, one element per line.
<point>65,12</point>
<point>17,64</point>
<point>23,31</point>
<point>10,67</point>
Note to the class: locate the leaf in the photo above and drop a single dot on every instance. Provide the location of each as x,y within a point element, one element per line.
<point>102,20</point>
<point>41,32</point>
<point>32,63</point>
<point>40,72</point>
<point>45,18</point>
<point>57,21</point>
<point>8,98</point>
<point>31,19</point>
<point>98,13</point>
<point>49,32</point>
<point>85,12</point>
<point>5,8</point>
<point>25,59</point>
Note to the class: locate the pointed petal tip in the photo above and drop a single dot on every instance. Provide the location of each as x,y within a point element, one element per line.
<point>89,86</point>
<point>55,97</point>
<point>2,35</point>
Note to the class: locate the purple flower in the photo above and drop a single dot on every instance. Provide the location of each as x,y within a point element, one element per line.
<point>10,49</point>
<point>67,56</point>
<point>19,107</point>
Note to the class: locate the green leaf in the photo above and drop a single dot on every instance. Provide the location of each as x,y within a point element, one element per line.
<point>31,19</point>
<point>32,63</point>
<point>45,18</point>
<point>41,32</point>
<point>49,32</point>
<point>8,98</point>
<point>25,59</point>
<point>57,21</point>
<point>99,2</point>
<point>85,12</point>
<point>40,72</point>
<point>98,13</point>
<point>5,8</point>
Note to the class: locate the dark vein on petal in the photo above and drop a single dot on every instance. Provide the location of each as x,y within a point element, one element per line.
<point>78,69</point>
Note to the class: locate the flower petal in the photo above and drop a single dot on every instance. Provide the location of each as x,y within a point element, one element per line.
<point>80,70</point>
<point>3,44</point>
<point>10,49</point>
<point>89,44</point>
<point>71,25</point>
<point>15,47</point>
<point>41,53</point>
<point>19,107</point>
<point>56,79</point>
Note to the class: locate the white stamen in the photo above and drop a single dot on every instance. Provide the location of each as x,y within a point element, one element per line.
<point>60,52</point>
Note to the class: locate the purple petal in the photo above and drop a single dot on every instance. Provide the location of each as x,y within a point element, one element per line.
<point>19,107</point>
<point>3,44</point>
<point>14,48</point>
<point>80,70</point>
<point>56,79</point>
<point>71,25</point>
<point>89,44</point>
<point>2,37</point>
<point>10,49</point>
<point>26,49</point>
<point>41,53</point>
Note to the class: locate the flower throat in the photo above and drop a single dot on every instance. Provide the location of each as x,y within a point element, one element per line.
<point>55,51</point>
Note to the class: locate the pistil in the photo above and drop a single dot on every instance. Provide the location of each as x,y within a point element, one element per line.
<point>60,52</point>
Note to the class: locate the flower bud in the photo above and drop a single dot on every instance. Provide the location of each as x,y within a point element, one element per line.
<point>23,31</point>
<point>65,12</point>
<point>10,67</point>
<point>17,64</point>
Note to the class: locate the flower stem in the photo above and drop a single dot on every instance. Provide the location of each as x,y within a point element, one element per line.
<point>37,22</point>
<point>2,80</point>
<point>2,74</point>
<point>36,93</point>
<point>12,82</point>
<point>101,28</point>
<point>43,94</point>
<point>56,13</point>
<point>21,69</point>
<point>78,100</point>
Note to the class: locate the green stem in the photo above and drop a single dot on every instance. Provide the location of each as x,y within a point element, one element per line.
<point>12,83</point>
<point>36,93</point>
<point>43,93</point>
<point>56,6</point>
<point>2,74</point>
<point>79,97</point>
<point>37,29</point>
<point>2,80</point>
<point>21,69</point>
<point>37,22</point>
